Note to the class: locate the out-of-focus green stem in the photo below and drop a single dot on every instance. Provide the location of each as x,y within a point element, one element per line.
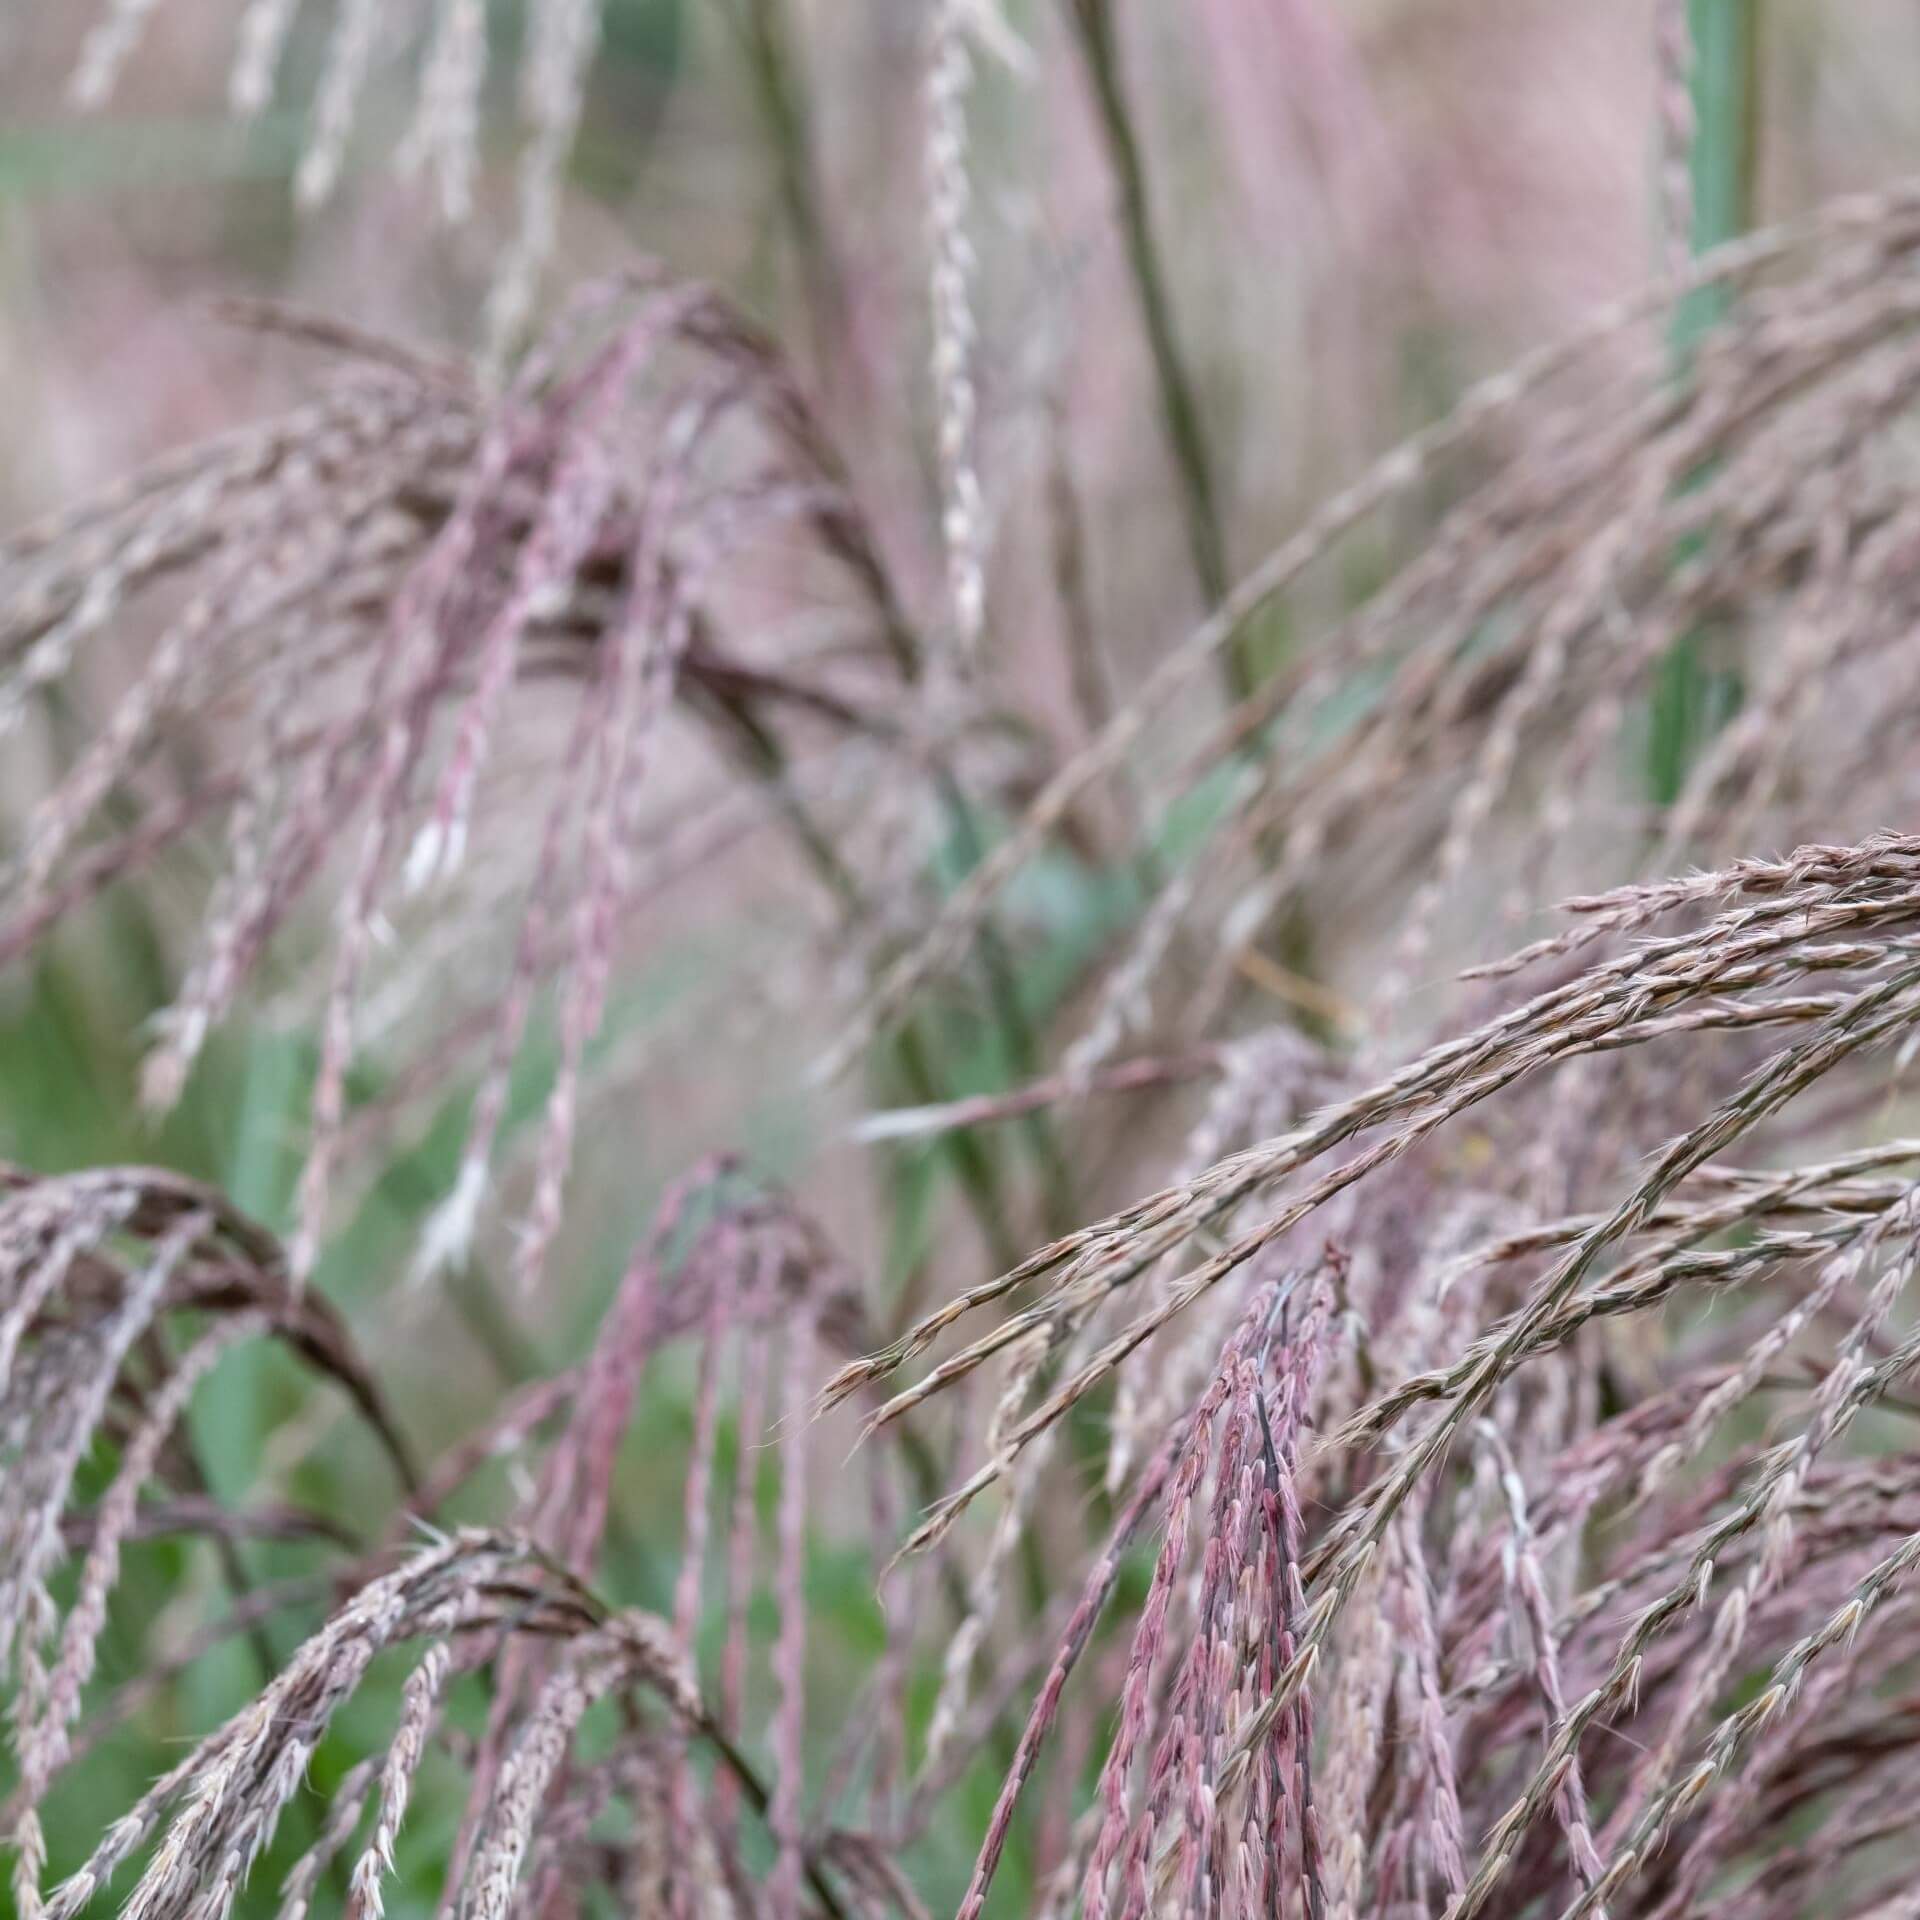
<point>1725,85</point>
<point>781,97</point>
<point>1726,106</point>
<point>1094,33</point>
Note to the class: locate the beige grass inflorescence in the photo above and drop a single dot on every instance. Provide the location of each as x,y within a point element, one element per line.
<point>1472,1476</point>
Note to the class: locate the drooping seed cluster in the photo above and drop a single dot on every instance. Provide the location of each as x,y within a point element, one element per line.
<point>385,592</point>
<point>1443,1616</point>
<point>729,1265</point>
<point>97,1272</point>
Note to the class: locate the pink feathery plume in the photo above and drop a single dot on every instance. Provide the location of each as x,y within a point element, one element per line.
<point>1095,1593</point>
<point>645,650</point>
<point>790,1648</point>
<point>568,1512</point>
<point>1283,1794</point>
<point>1149,1638</point>
<point>743,1528</point>
<point>419,655</point>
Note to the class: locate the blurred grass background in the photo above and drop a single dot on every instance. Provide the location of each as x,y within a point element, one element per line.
<point>1348,243</point>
